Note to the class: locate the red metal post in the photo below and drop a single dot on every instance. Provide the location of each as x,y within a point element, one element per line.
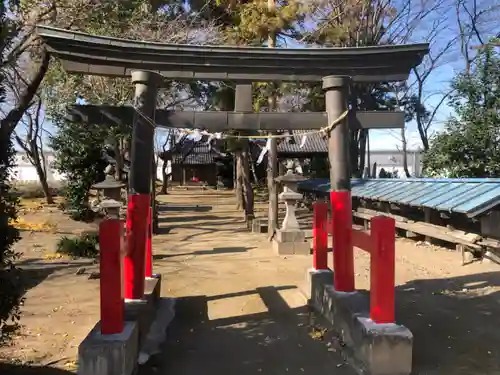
<point>320,236</point>
<point>343,258</point>
<point>149,246</point>
<point>134,262</point>
<point>111,281</point>
<point>382,270</point>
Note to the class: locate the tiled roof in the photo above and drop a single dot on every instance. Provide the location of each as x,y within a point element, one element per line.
<point>200,155</point>
<point>314,143</point>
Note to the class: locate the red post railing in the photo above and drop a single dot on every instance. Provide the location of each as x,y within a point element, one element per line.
<point>149,246</point>
<point>320,236</point>
<point>382,269</point>
<point>343,258</point>
<point>380,243</point>
<point>135,258</point>
<point>111,276</point>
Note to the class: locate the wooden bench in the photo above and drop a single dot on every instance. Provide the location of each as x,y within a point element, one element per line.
<point>463,241</point>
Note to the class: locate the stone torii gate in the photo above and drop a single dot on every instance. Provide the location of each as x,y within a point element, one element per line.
<point>149,64</point>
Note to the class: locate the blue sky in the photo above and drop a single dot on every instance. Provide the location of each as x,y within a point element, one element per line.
<point>438,28</point>
<point>449,65</point>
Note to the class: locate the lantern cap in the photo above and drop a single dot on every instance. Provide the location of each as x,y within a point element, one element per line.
<point>110,182</point>
<point>289,176</point>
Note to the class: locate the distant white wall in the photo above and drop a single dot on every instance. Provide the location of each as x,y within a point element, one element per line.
<point>25,172</point>
<point>392,160</point>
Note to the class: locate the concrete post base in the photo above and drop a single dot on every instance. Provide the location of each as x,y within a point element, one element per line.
<point>152,289</point>
<point>143,311</point>
<point>316,276</point>
<point>109,354</point>
<point>146,321</point>
<point>375,349</point>
<point>289,242</point>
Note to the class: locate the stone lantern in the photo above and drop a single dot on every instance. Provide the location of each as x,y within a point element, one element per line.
<point>111,191</point>
<point>290,239</point>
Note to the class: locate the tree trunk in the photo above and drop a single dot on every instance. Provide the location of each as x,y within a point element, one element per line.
<point>38,163</point>
<point>234,171</point>
<point>368,155</point>
<point>15,115</point>
<point>247,186</point>
<point>45,186</point>
<point>405,155</point>
<point>118,159</point>
<point>252,167</point>
<point>164,176</point>
<point>281,168</point>
<point>374,170</point>
<point>272,156</point>
<point>154,212</point>
<point>361,153</point>
<point>354,151</point>
<point>154,176</point>
<point>272,172</point>
<point>238,189</point>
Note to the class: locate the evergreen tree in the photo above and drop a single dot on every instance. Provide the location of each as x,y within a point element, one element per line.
<point>469,145</point>
<point>78,155</point>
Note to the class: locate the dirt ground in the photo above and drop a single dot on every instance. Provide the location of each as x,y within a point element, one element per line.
<point>240,306</point>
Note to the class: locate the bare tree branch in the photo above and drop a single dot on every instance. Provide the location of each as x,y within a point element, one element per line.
<point>32,144</point>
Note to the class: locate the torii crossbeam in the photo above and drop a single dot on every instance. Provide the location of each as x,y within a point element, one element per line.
<point>221,121</point>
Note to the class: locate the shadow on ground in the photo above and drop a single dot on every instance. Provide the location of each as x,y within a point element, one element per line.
<point>183,208</point>
<point>182,219</point>
<point>34,271</point>
<point>275,342</point>
<point>217,226</point>
<point>15,369</point>
<point>455,323</point>
<point>214,251</point>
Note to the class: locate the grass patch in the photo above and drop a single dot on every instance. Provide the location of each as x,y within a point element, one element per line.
<point>83,246</point>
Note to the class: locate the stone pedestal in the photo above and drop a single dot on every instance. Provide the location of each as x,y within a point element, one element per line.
<point>375,349</point>
<point>109,354</point>
<point>288,242</point>
<point>143,311</point>
<point>146,322</point>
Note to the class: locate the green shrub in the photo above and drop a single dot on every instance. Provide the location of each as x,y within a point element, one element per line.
<point>11,297</point>
<point>84,246</point>
<point>59,191</point>
<point>78,155</point>
<point>11,288</point>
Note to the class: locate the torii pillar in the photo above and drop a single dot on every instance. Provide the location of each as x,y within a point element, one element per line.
<point>139,195</point>
<point>336,97</point>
